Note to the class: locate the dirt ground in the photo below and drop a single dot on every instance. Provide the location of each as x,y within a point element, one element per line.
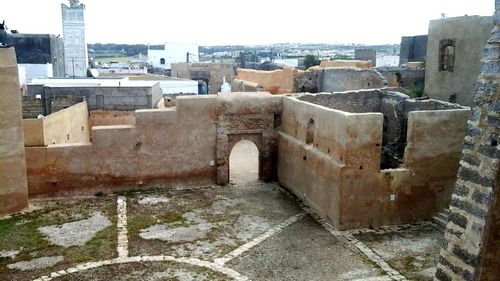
<point>247,230</point>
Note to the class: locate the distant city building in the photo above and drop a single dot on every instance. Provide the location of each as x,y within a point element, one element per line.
<point>75,45</point>
<point>38,55</point>
<point>413,48</point>
<point>164,56</point>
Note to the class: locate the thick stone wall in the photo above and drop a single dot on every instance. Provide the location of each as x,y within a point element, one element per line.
<point>472,250</point>
<point>13,188</point>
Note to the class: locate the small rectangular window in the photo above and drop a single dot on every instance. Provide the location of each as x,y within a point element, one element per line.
<point>447,55</point>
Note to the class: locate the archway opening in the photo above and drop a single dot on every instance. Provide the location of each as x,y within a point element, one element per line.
<point>244,162</point>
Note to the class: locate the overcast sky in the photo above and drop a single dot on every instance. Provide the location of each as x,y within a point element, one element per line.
<point>218,22</point>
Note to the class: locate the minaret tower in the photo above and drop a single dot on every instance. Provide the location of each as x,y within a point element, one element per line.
<point>75,45</point>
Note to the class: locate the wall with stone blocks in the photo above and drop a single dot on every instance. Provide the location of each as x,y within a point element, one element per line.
<point>472,250</point>
<point>13,188</point>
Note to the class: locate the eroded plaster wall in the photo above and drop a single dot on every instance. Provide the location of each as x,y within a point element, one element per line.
<point>367,195</point>
<point>183,146</point>
<point>70,125</point>
<point>13,188</point>
<point>278,81</point>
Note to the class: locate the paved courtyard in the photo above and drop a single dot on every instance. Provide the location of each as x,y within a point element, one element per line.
<point>247,230</point>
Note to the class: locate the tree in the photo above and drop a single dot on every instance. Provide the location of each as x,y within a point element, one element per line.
<point>311,60</point>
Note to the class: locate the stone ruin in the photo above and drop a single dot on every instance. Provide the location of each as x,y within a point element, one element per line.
<point>358,159</point>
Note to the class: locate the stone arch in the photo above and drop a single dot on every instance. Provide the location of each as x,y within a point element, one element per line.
<point>257,128</point>
<point>234,143</point>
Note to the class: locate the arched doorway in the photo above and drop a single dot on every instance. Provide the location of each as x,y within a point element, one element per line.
<point>244,162</point>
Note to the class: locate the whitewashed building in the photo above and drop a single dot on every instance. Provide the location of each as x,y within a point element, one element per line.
<point>173,53</point>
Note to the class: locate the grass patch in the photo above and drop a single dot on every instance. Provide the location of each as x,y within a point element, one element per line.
<point>172,217</point>
<point>101,247</point>
<point>140,221</point>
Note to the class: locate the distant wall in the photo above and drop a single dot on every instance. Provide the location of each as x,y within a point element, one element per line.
<point>366,55</point>
<point>276,81</point>
<point>413,48</point>
<point>335,79</point>
<point>469,34</point>
<point>403,76</point>
<point>346,63</point>
<point>122,98</point>
<point>32,106</point>
<point>13,189</point>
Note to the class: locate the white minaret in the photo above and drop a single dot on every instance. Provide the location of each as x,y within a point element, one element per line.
<point>75,45</point>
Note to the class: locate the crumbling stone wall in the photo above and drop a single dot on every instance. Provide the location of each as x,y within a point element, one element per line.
<point>278,81</point>
<point>13,188</point>
<point>403,76</point>
<point>337,79</point>
<point>238,85</point>
<point>472,251</point>
<point>306,81</point>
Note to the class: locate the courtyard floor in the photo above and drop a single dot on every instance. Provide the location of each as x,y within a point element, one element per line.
<point>247,230</point>
<point>252,231</point>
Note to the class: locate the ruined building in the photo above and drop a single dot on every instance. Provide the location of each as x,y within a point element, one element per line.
<point>75,45</point>
<point>453,57</point>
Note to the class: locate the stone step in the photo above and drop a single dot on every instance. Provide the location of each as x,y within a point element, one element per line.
<point>441,219</point>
